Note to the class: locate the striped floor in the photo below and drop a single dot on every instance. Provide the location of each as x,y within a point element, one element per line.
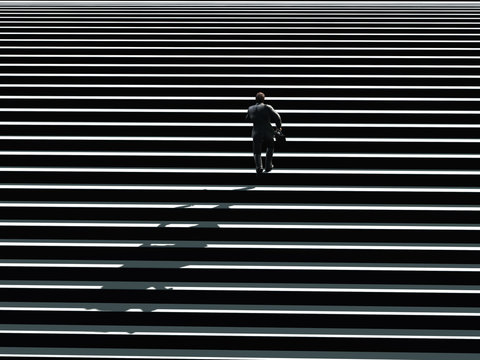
<point>133,225</point>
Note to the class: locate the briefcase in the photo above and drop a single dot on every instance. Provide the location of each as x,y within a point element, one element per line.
<point>279,136</point>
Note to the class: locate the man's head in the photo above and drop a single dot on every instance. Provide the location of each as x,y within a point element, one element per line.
<point>260,97</point>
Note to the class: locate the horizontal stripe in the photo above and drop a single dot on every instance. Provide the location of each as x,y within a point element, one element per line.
<point>333,268</point>
<point>426,247</point>
<point>394,189</point>
<point>386,76</point>
<point>227,21</point>
<point>209,86</point>
<point>228,56</point>
<point>62,354</point>
<point>349,66</point>
<point>212,13</point>
<point>350,227</point>
<point>168,8</point>
<point>249,287</point>
<point>119,205</point>
<point>63,265</point>
<point>234,98</point>
<point>20,308</point>
<point>363,189</point>
<point>238,171</point>
<point>258,311</point>
<point>215,154</point>
<point>59,287</point>
<point>245,15</point>
<point>232,111</point>
<point>350,207</point>
<point>125,187</point>
<point>254,16</point>
<point>76,224</point>
<point>106,205</point>
<point>246,27</point>
<point>238,139</point>
<point>322,290</point>
<point>232,124</point>
<point>231,33</point>
<point>68,244</point>
<point>241,40</point>
<point>242,334</point>
<point>291,48</point>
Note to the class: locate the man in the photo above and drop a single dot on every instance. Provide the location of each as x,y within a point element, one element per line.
<point>262,115</point>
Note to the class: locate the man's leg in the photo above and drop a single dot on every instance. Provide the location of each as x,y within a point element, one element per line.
<point>257,154</point>
<point>269,155</point>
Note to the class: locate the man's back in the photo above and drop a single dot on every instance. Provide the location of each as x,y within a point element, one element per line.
<point>262,115</point>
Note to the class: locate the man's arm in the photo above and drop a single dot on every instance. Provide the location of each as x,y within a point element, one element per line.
<point>276,117</point>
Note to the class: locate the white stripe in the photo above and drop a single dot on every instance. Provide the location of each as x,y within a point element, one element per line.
<point>227,21</point>
<point>232,33</point>
<point>181,225</point>
<point>96,205</point>
<point>166,357</point>
<point>21,308</point>
<point>77,287</point>
<point>287,335</point>
<point>231,56</point>
<point>223,124</point>
<point>68,244</point>
<point>213,13</point>
<point>360,189</point>
<point>333,268</point>
<point>242,334</point>
<point>238,14</point>
<point>317,312</point>
<point>214,154</point>
<point>343,247</point>
<point>242,48</point>
<point>202,18</point>
<point>241,40</point>
<point>247,27</point>
<point>386,76</point>
<point>124,187</point>
<point>255,188</point>
<point>279,312</point>
<point>231,111</point>
<point>350,227</point>
<point>206,86</point>
<point>352,207</point>
<point>66,265</point>
<point>235,98</point>
<point>239,139</point>
<point>239,65</point>
<point>246,207</point>
<point>167,9</point>
<point>65,332</point>
<point>233,171</point>
<point>75,224</point>
<point>340,290</point>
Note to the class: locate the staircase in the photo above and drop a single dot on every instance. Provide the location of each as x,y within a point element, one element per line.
<point>133,224</point>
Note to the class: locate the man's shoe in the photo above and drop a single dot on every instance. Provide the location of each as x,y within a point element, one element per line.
<point>258,163</point>
<point>269,168</point>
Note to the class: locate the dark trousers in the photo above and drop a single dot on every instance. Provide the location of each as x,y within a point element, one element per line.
<point>259,139</point>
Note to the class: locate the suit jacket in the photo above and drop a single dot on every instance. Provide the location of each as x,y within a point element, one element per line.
<point>262,115</point>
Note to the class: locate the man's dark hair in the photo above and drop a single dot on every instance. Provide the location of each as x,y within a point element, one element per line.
<point>260,97</point>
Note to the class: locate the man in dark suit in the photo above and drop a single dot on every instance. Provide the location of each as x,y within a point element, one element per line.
<point>262,115</point>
